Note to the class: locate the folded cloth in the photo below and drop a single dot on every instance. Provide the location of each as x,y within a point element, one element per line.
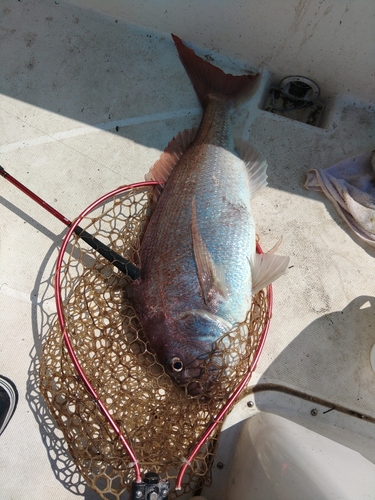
<point>350,185</point>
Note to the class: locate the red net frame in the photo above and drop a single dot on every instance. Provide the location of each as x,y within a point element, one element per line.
<point>215,421</point>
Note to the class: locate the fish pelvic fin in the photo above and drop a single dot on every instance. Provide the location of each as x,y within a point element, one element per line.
<point>266,268</point>
<point>256,165</point>
<point>211,276</point>
<point>207,78</point>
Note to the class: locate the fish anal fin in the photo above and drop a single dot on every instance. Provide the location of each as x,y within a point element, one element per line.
<point>256,165</point>
<point>266,268</point>
<point>211,276</point>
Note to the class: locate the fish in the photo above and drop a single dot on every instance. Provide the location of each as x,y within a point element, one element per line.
<point>198,263</point>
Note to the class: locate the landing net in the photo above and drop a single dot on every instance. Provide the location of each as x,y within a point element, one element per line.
<point>160,421</point>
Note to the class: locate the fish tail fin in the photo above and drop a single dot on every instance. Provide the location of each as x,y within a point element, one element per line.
<point>207,78</point>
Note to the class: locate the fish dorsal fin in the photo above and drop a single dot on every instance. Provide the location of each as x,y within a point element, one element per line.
<point>162,169</point>
<point>266,268</point>
<point>256,165</point>
<point>211,276</point>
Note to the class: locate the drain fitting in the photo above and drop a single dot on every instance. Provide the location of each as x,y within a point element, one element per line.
<point>300,88</point>
<point>296,98</point>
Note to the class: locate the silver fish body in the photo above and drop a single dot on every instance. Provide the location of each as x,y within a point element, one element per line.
<point>197,279</point>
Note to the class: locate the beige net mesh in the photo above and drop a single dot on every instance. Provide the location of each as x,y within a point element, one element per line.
<point>159,420</point>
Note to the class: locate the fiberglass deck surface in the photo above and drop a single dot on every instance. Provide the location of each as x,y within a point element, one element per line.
<point>87,105</point>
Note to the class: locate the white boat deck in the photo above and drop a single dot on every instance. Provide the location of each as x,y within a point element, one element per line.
<point>87,104</point>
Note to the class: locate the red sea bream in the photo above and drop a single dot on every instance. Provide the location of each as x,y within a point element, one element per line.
<point>199,267</point>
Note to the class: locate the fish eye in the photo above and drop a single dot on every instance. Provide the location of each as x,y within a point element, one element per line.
<point>176,364</point>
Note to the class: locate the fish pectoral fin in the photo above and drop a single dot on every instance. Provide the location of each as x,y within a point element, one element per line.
<point>211,276</point>
<point>163,167</point>
<point>256,165</point>
<point>266,268</point>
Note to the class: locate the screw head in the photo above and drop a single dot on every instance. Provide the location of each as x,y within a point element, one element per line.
<point>314,412</point>
<point>220,465</point>
<point>250,404</point>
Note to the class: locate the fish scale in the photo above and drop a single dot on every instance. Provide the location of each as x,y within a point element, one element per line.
<point>198,255</point>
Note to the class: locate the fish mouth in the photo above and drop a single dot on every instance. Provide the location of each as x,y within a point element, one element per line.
<point>196,388</point>
<point>197,382</point>
<point>201,376</point>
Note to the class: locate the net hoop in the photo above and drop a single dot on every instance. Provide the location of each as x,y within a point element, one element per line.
<point>88,385</point>
<point>60,314</point>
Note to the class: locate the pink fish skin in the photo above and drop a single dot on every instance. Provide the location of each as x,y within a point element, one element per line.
<point>198,259</point>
